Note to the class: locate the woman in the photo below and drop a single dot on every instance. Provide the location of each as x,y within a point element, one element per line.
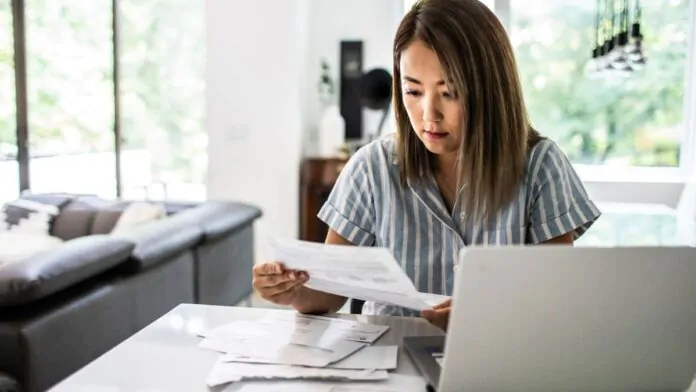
<point>464,167</point>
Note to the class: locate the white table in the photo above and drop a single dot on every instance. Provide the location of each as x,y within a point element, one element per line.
<point>164,356</point>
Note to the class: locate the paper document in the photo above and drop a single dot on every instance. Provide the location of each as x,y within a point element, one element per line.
<point>395,383</point>
<point>299,328</point>
<point>227,372</point>
<point>433,299</point>
<point>259,342</point>
<point>370,357</point>
<point>262,351</point>
<point>366,273</point>
<point>325,326</point>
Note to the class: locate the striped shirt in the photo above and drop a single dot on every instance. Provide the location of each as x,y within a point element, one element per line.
<point>369,206</point>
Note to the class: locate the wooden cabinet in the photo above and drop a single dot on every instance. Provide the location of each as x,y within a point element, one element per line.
<point>317,178</point>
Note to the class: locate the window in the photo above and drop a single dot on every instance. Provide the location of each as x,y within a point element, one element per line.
<point>163,98</point>
<point>9,169</point>
<point>70,96</point>
<point>73,50</point>
<point>631,120</point>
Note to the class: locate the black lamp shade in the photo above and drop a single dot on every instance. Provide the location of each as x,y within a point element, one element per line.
<point>376,88</point>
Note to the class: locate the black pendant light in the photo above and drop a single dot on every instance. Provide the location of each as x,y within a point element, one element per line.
<point>594,65</point>
<point>634,50</point>
<point>620,60</point>
<point>617,42</point>
<point>608,49</point>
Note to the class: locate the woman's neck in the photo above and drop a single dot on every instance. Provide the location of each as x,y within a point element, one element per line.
<point>447,165</point>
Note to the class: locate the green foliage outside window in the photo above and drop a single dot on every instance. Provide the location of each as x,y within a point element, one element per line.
<point>634,120</point>
<point>70,78</point>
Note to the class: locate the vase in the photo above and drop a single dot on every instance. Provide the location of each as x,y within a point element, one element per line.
<point>332,128</point>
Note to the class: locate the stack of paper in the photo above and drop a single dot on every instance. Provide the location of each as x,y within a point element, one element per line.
<point>226,372</point>
<point>285,345</point>
<point>366,273</point>
<point>395,383</point>
<point>290,346</point>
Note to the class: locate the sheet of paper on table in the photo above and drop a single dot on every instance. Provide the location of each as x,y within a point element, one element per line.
<point>395,383</point>
<point>326,326</point>
<point>291,339</point>
<point>263,351</point>
<point>299,328</point>
<point>245,341</point>
<point>369,357</point>
<point>228,372</point>
<point>366,273</point>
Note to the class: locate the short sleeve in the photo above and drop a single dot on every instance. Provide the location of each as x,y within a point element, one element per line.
<point>349,209</point>
<point>560,203</point>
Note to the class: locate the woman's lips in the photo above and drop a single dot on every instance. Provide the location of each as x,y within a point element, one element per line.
<point>435,135</point>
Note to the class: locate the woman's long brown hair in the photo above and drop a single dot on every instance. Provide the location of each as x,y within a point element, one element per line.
<point>478,60</point>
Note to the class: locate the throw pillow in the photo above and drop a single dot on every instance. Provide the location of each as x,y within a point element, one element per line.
<point>28,216</point>
<point>138,213</point>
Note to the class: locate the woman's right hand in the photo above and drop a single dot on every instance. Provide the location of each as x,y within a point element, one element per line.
<point>277,284</point>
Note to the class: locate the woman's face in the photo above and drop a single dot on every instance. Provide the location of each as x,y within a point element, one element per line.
<point>433,110</point>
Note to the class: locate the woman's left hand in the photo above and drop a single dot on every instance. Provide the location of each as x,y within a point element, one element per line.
<point>439,314</point>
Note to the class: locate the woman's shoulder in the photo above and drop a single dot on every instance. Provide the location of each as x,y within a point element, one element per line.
<point>545,155</point>
<point>379,153</point>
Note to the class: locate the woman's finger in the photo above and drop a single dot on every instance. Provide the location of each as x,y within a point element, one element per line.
<point>442,305</point>
<point>283,287</point>
<point>268,268</point>
<point>265,281</point>
<point>439,317</point>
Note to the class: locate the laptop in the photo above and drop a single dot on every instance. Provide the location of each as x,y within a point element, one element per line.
<point>560,318</point>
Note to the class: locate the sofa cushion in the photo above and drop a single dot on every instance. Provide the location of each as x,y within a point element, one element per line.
<point>77,217</point>
<point>59,200</point>
<point>73,224</point>
<point>159,240</point>
<point>137,213</point>
<point>218,219</point>
<point>103,221</point>
<point>48,272</point>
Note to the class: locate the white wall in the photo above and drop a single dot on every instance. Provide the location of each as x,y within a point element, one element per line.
<point>372,21</point>
<point>255,63</point>
<point>261,74</point>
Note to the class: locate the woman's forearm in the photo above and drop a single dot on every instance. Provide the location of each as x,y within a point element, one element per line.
<point>315,302</point>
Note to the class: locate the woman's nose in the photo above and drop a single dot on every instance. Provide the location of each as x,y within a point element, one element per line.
<point>431,112</point>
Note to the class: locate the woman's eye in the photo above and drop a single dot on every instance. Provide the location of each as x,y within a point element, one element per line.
<point>412,92</point>
<point>447,94</point>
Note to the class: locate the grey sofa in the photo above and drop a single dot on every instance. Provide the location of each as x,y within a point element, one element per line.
<point>61,309</point>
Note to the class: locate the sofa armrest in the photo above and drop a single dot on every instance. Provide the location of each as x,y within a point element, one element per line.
<point>48,272</point>
<point>218,219</point>
<point>159,240</point>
